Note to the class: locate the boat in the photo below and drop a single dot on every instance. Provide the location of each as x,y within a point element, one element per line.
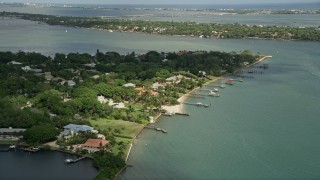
<point>222,86</point>
<point>214,94</point>
<point>229,82</point>
<point>240,80</point>
<point>215,89</point>
<point>68,161</point>
<point>12,146</point>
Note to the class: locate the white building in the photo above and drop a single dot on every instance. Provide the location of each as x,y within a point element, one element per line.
<point>129,85</point>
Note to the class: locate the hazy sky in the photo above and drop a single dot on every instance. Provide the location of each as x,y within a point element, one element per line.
<point>161,1</point>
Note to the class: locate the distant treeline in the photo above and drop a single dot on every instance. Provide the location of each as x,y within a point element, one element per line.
<point>202,30</point>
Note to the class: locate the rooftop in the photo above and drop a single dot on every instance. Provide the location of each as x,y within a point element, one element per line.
<point>97,143</point>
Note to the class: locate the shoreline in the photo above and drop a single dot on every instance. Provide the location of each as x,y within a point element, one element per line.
<point>180,107</point>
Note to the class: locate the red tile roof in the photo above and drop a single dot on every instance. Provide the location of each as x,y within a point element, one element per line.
<point>97,143</point>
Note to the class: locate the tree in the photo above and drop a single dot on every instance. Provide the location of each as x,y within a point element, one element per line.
<point>40,134</point>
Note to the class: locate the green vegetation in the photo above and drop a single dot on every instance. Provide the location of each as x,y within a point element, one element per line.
<point>40,134</point>
<point>43,94</point>
<point>108,164</point>
<point>204,30</point>
<point>124,128</point>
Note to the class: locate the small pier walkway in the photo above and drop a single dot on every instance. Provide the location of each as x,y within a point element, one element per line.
<point>197,104</point>
<point>69,161</point>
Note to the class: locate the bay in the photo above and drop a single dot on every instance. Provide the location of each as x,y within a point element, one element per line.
<point>180,13</point>
<point>262,128</point>
<point>266,127</point>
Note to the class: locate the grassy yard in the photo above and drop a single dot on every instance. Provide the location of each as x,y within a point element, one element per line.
<point>128,129</point>
<point>126,142</point>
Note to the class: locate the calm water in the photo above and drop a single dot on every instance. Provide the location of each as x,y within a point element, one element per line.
<point>266,127</point>
<point>263,128</point>
<point>43,165</point>
<point>306,20</point>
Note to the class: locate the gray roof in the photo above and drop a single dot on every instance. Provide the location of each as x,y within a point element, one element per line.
<point>66,132</point>
<point>76,128</point>
<point>11,130</point>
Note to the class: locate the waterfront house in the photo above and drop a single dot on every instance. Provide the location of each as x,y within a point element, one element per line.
<point>10,131</point>
<point>94,145</point>
<point>73,129</point>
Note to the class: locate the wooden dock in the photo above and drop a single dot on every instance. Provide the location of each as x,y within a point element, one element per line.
<point>199,104</point>
<point>30,149</point>
<point>195,96</point>
<point>156,128</point>
<point>182,114</point>
<point>69,161</point>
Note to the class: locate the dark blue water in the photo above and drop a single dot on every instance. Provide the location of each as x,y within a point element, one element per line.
<point>18,165</point>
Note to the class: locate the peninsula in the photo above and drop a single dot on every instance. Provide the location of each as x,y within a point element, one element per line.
<point>94,105</point>
<point>200,30</point>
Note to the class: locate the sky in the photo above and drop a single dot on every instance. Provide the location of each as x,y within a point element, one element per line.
<point>162,1</point>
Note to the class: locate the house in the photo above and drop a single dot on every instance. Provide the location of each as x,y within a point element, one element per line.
<point>176,79</point>
<point>94,145</point>
<point>142,91</point>
<point>27,68</point>
<point>102,99</point>
<point>10,131</point>
<point>129,85</point>
<point>95,77</point>
<point>157,85</point>
<point>92,65</point>
<point>116,105</point>
<point>48,76</point>
<point>73,129</point>
<point>14,63</point>
<point>70,83</point>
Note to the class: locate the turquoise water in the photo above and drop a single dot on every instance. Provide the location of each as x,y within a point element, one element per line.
<point>265,127</point>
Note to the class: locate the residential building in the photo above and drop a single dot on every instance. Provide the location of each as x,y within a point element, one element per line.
<point>94,145</point>
<point>73,129</point>
<point>10,131</point>
<point>129,85</point>
<point>157,85</point>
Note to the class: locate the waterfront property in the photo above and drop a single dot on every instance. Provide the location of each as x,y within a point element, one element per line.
<point>10,131</point>
<point>94,145</point>
<point>73,129</point>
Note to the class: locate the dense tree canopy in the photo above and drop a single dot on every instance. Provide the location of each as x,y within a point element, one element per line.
<point>40,134</point>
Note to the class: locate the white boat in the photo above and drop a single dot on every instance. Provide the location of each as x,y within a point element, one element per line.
<point>214,94</point>
<point>216,90</point>
<point>222,86</point>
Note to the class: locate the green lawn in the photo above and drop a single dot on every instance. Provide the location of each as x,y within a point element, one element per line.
<point>128,129</point>
<point>127,143</point>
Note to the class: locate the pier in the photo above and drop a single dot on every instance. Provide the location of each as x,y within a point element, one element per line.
<point>156,128</point>
<point>182,114</point>
<point>69,161</point>
<point>197,104</point>
<point>30,149</point>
